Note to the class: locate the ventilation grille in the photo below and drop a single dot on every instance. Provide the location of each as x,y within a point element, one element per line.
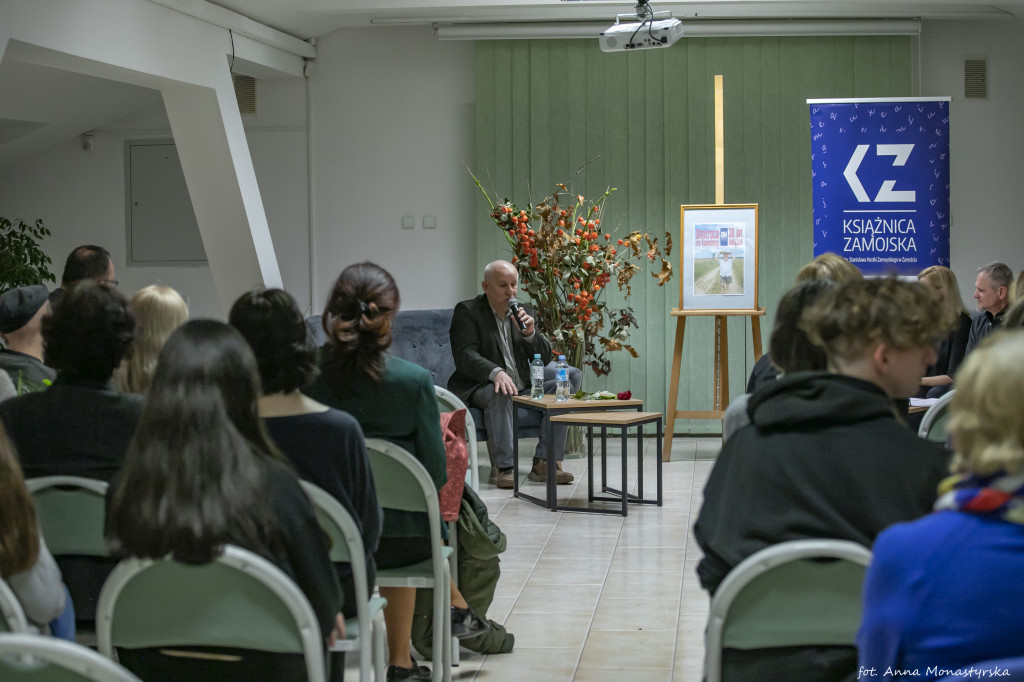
<point>245,93</point>
<point>976,78</point>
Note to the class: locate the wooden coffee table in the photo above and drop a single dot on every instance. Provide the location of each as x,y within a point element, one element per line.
<point>549,407</point>
<point>622,421</point>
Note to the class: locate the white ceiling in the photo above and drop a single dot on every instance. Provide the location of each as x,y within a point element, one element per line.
<point>311,18</point>
<point>42,107</point>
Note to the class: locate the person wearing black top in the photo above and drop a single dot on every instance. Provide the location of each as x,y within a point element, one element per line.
<point>825,456</point>
<point>201,473</point>
<point>942,283</point>
<point>325,445</point>
<point>992,292</point>
<point>79,426</point>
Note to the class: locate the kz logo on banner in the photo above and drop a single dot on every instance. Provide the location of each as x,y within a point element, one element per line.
<point>880,170</point>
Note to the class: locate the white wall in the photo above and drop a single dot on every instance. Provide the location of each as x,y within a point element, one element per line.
<point>393,122</point>
<point>986,140</point>
<point>80,195</point>
<point>393,127</point>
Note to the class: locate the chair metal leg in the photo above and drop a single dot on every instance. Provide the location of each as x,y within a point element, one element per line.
<point>379,671</point>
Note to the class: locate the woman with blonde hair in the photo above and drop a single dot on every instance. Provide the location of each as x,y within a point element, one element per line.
<point>830,266</point>
<point>159,310</point>
<point>941,282</point>
<point>944,592</point>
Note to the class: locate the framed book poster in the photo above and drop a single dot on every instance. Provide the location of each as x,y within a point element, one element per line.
<point>718,257</point>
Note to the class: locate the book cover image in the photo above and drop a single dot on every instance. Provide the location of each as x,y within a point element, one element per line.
<point>718,259</point>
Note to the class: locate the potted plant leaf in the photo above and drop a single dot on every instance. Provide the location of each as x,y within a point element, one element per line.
<point>22,261</point>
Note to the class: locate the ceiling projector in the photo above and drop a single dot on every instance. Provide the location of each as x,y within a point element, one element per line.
<point>641,35</point>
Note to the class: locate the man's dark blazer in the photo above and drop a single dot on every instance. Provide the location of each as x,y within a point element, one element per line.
<point>477,347</point>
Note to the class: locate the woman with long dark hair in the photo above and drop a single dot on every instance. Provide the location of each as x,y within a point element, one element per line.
<point>201,473</point>
<point>393,399</point>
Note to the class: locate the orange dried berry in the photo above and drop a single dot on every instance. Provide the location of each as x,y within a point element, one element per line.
<point>597,287</point>
<point>597,221</point>
<point>561,223</point>
<point>607,236</point>
<point>620,242</point>
<point>576,285</point>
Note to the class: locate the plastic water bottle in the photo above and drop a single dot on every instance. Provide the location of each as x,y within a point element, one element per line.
<point>536,378</point>
<point>561,379</point>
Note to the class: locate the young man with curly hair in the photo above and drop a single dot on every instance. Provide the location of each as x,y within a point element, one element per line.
<point>825,455</point>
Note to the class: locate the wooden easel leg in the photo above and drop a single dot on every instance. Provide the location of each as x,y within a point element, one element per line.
<point>722,361</point>
<point>673,391</point>
<point>755,329</point>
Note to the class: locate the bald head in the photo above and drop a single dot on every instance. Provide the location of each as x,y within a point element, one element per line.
<point>501,281</point>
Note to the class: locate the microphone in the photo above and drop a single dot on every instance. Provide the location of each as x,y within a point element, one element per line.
<point>513,305</point>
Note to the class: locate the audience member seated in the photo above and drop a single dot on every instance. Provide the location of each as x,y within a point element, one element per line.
<point>201,473</point>
<point>992,292</point>
<point>25,564</point>
<point>85,263</point>
<point>791,351</point>
<point>324,445</point>
<point>492,364</point>
<point>79,426</point>
<point>825,455</point>
<point>828,266</point>
<point>158,311</point>
<point>392,399</point>
<point>1018,288</point>
<point>942,283</point>
<point>945,591</point>
<point>21,319</point>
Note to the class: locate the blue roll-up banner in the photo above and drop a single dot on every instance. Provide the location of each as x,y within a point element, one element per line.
<point>880,170</point>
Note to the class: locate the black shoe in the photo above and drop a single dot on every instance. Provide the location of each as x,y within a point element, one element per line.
<point>416,672</point>
<point>465,624</point>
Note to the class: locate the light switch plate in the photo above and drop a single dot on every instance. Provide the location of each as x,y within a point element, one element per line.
<point>408,222</point>
<point>429,222</point>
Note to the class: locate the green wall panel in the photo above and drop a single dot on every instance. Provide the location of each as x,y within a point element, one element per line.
<point>643,122</point>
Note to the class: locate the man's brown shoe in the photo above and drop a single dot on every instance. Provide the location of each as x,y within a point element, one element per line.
<point>506,478</point>
<point>539,473</point>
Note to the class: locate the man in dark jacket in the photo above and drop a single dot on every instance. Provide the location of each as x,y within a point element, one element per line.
<point>492,364</point>
<point>80,426</point>
<point>825,455</point>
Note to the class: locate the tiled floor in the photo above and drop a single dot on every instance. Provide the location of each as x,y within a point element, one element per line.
<point>594,597</point>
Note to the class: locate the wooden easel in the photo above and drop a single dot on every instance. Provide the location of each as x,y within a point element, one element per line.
<point>721,380</point>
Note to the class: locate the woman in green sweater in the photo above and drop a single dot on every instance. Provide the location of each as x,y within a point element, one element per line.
<point>392,399</point>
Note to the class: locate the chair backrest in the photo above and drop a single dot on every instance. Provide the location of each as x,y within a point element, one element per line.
<point>935,423</point>
<point>405,483</point>
<point>449,402</point>
<point>55,660</point>
<point>238,600</point>
<point>72,512</point>
<point>12,615</point>
<point>802,592</point>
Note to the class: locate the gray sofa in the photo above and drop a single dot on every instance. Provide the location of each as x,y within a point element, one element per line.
<point>421,336</point>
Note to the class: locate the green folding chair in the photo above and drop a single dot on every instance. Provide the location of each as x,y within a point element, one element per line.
<point>33,658</point>
<point>365,632</point>
<point>935,423</point>
<point>403,484</point>
<point>72,513</point>
<point>781,596</point>
<point>238,600</point>
<point>12,615</point>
